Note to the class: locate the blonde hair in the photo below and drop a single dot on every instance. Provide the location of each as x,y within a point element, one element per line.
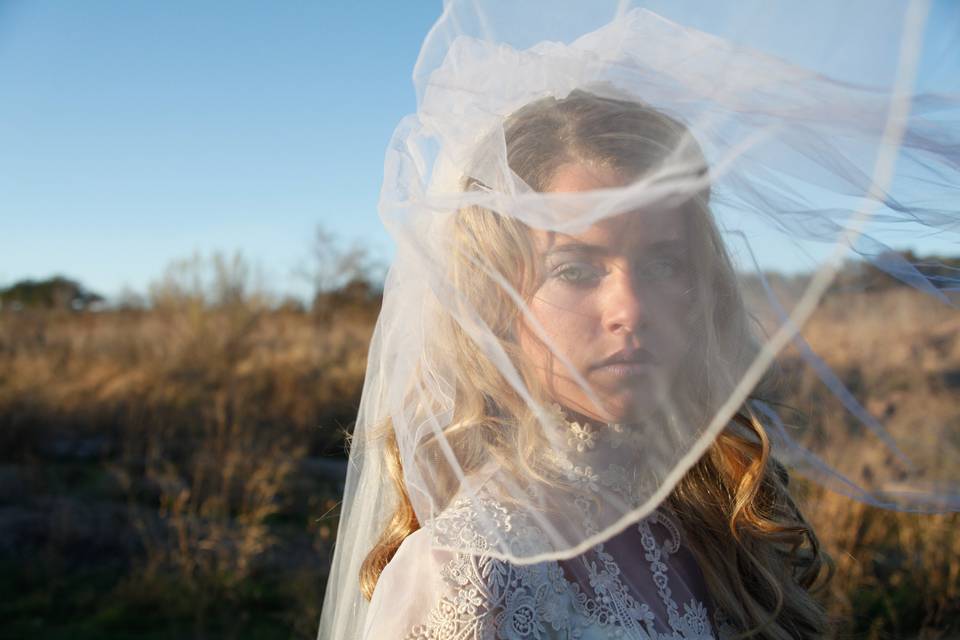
<point>759,556</point>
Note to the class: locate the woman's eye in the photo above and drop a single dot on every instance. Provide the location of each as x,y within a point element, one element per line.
<point>577,273</point>
<point>660,269</point>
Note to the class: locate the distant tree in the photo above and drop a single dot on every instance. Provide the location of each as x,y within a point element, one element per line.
<point>129,300</point>
<point>57,292</point>
<point>942,271</point>
<point>291,304</point>
<point>340,276</point>
<point>356,295</point>
<point>877,274</point>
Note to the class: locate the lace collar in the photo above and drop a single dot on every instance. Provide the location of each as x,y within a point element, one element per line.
<point>598,458</point>
<point>583,435</point>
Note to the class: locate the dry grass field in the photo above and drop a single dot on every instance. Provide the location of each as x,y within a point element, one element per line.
<point>897,574</point>
<point>175,472</point>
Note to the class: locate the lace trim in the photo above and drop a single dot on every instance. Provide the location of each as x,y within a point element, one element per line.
<point>630,485</point>
<point>493,599</point>
<point>582,436</point>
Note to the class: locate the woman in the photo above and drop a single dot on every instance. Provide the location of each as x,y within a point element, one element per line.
<point>623,302</point>
<point>563,431</point>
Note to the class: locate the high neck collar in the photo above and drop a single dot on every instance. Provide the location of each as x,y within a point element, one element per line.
<point>597,457</point>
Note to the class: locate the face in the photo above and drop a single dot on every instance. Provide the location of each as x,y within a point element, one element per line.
<point>615,302</point>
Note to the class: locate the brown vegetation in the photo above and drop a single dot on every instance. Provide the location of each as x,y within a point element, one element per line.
<point>897,574</point>
<point>175,471</point>
<point>194,451</point>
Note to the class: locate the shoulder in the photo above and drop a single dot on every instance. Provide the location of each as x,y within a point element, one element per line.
<point>442,576</point>
<point>471,524</point>
<point>484,524</point>
<point>411,584</point>
<point>425,592</point>
<point>416,561</point>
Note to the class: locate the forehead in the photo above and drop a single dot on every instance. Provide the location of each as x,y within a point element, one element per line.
<point>630,230</point>
<point>585,177</point>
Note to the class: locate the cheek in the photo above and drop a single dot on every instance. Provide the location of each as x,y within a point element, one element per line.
<point>674,329</point>
<point>568,331</point>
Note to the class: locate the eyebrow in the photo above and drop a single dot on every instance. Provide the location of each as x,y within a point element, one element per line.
<point>577,247</point>
<point>671,244</point>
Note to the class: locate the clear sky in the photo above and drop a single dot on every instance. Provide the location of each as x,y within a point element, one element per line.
<point>133,133</point>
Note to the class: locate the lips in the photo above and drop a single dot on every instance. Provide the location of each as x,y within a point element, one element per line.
<point>628,356</point>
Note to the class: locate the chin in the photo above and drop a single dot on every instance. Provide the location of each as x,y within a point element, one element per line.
<point>632,408</point>
<point>624,405</point>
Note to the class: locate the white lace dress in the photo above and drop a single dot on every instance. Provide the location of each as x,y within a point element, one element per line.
<point>642,584</point>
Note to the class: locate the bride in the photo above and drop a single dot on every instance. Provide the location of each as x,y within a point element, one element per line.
<point>625,303</point>
<point>567,427</point>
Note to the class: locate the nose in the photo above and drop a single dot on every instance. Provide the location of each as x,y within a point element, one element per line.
<point>623,311</point>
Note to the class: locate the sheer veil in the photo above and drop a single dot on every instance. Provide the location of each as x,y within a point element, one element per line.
<point>735,176</point>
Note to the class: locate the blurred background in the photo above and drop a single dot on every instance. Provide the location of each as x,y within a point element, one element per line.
<point>191,267</point>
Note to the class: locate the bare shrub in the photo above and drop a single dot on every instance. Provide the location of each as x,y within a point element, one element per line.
<point>217,281</point>
<point>340,278</point>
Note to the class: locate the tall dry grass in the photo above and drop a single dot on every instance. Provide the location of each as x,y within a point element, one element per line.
<point>193,449</point>
<point>897,574</point>
<point>210,425</point>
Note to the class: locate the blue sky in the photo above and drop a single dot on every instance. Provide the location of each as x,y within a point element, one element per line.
<point>134,133</point>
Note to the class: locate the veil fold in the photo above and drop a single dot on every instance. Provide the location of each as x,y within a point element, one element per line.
<point>792,188</point>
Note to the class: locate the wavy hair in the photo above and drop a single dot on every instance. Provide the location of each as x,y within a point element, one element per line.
<point>759,556</point>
